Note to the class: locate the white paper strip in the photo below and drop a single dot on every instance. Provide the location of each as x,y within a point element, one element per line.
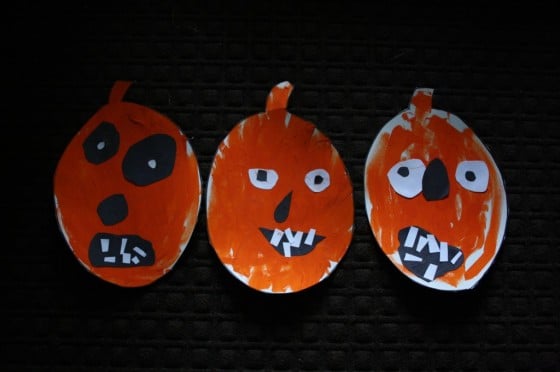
<point>104,245</point>
<point>422,242</point>
<point>287,249</point>
<point>276,237</point>
<point>432,244</point>
<point>411,237</point>
<point>430,272</point>
<point>443,252</point>
<point>310,236</point>
<point>139,251</point>
<point>411,257</point>
<point>456,257</point>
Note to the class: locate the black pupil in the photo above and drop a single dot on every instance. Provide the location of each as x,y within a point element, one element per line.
<point>318,180</point>
<point>403,171</point>
<point>470,176</point>
<point>261,175</point>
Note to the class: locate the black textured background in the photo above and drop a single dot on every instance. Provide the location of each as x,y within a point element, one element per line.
<point>354,65</point>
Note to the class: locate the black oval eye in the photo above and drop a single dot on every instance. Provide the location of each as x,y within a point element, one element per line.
<point>102,144</point>
<point>150,160</point>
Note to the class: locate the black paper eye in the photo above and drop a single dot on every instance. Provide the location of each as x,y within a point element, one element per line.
<point>102,144</point>
<point>317,180</point>
<point>263,178</point>
<point>149,160</point>
<point>406,177</point>
<point>473,175</point>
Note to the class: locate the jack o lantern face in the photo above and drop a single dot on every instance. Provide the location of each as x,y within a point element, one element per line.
<point>279,201</point>
<point>435,198</point>
<point>127,192</point>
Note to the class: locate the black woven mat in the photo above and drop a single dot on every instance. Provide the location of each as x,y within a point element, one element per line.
<point>354,65</point>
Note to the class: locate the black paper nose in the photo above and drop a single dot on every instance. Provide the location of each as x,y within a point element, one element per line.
<point>283,209</point>
<point>113,209</point>
<point>435,182</point>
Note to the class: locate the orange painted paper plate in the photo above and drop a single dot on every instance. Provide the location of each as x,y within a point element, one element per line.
<point>434,197</point>
<point>127,192</point>
<point>279,201</point>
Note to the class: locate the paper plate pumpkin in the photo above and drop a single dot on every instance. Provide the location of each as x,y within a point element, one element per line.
<point>279,200</point>
<point>434,196</point>
<point>127,192</point>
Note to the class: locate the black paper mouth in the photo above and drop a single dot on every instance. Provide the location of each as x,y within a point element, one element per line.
<point>108,250</point>
<point>292,243</point>
<point>425,256</point>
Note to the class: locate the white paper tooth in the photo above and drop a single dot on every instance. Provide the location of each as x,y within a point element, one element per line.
<point>140,251</point>
<point>422,242</point>
<point>104,245</point>
<point>294,239</point>
<point>432,244</point>
<point>135,260</point>
<point>411,257</point>
<point>124,256</point>
<point>411,237</point>
<point>289,235</point>
<point>276,237</point>
<point>110,259</point>
<point>443,252</point>
<point>297,240</point>
<point>310,237</point>
<point>456,257</point>
<point>123,244</point>
<point>287,249</point>
<point>430,272</point>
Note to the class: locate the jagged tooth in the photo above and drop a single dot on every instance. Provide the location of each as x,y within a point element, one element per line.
<point>422,242</point>
<point>296,242</point>
<point>294,239</point>
<point>310,237</point>
<point>287,249</point>
<point>104,245</point>
<point>456,257</point>
<point>411,257</point>
<point>411,237</point>
<point>289,235</point>
<point>430,272</point>
<point>276,237</point>
<point>433,246</point>
<point>126,258</point>
<point>140,251</point>
<point>123,244</point>
<point>443,252</point>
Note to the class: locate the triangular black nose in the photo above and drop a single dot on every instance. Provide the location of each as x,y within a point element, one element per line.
<point>435,182</point>
<point>283,209</point>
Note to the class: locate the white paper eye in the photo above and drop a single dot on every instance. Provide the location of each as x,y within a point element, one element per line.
<point>406,177</point>
<point>317,180</point>
<point>263,178</point>
<point>473,175</point>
